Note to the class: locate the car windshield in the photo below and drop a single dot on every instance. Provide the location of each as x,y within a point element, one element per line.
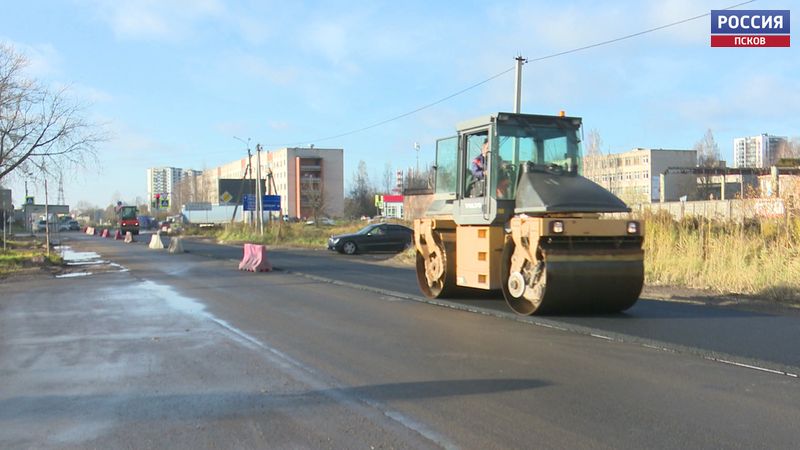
<point>366,229</point>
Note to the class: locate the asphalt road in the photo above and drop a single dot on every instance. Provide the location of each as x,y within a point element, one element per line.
<point>185,351</point>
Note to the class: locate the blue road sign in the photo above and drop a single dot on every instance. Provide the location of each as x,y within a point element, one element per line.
<point>271,202</point>
<point>249,202</point>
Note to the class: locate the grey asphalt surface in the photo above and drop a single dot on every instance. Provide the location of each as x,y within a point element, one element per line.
<point>761,339</point>
<point>185,351</point>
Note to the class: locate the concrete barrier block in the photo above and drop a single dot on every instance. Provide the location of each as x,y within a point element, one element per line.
<point>175,245</point>
<point>246,257</point>
<point>255,259</point>
<point>155,242</point>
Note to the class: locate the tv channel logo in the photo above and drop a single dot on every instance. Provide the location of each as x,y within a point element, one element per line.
<point>750,28</point>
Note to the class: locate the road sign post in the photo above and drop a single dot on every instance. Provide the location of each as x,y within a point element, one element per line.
<point>271,202</point>
<point>248,202</point>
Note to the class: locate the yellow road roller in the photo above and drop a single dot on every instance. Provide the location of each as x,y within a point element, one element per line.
<point>512,213</point>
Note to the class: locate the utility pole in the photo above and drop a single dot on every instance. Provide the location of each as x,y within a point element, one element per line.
<point>61,200</point>
<point>241,188</point>
<point>270,182</point>
<point>25,208</point>
<point>416,147</point>
<point>247,175</point>
<point>259,203</point>
<point>46,218</point>
<point>518,83</point>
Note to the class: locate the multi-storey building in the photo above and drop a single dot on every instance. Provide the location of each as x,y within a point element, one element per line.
<point>634,176</point>
<point>164,180</point>
<point>307,179</point>
<point>760,151</point>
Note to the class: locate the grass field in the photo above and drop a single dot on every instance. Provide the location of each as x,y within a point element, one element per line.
<point>287,234</point>
<point>760,257</point>
<point>25,254</point>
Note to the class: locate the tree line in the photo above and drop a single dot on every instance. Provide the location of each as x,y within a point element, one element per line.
<point>360,199</point>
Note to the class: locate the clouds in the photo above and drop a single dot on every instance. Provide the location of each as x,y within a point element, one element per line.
<point>43,58</point>
<point>172,21</point>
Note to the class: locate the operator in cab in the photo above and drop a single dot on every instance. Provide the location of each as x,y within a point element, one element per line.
<point>478,170</point>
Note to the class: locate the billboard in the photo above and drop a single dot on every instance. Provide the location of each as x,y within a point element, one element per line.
<point>236,188</point>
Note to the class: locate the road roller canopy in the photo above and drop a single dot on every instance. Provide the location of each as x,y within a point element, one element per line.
<point>513,140</point>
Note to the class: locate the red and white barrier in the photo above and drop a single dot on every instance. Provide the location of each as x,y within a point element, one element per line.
<point>255,259</point>
<point>105,233</point>
<point>118,235</point>
<point>247,257</point>
<point>128,237</point>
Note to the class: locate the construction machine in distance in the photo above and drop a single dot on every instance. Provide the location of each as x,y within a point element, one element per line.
<point>530,226</point>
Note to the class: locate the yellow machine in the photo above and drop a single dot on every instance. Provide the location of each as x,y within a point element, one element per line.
<point>511,212</point>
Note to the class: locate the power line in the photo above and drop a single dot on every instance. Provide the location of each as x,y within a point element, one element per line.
<point>541,58</point>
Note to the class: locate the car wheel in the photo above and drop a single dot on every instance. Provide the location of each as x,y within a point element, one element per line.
<point>349,248</point>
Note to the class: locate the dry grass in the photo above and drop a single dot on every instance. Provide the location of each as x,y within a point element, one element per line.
<point>24,254</point>
<point>761,257</point>
<point>287,234</point>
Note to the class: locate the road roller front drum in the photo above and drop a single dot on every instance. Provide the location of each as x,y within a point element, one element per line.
<point>573,282</point>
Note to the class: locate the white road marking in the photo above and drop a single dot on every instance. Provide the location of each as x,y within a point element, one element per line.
<point>298,370</point>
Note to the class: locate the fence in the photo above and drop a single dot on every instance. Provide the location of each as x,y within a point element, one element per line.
<point>733,210</point>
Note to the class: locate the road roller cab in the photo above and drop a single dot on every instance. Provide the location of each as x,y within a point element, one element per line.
<point>512,213</point>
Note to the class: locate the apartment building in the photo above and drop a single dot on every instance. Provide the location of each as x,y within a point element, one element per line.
<point>305,178</point>
<point>165,180</point>
<point>634,176</point>
<point>760,151</point>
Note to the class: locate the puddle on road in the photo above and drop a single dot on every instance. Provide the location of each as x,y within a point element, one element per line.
<point>82,261</point>
<point>76,258</point>
<point>74,275</point>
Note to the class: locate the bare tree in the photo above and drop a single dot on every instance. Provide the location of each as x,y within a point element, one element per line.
<point>314,198</point>
<point>388,178</point>
<point>707,150</point>
<point>707,157</point>
<point>788,150</point>
<point>36,122</point>
<point>361,200</point>
<point>594,153</point>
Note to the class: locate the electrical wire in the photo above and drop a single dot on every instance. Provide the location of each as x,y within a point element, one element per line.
<point>493,77</point>
<point>505,71</point>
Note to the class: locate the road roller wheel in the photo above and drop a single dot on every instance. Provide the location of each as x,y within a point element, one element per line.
<point>522,296</point>
<point>441,263</point>
<point>560,285</point>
